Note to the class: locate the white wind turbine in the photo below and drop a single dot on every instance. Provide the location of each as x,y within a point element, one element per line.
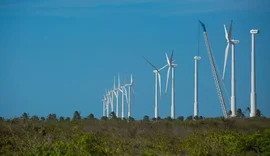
<point>123,90</point>
<point>112,99</point>
<point>196,58</point>
<point>157,83</point>
<point>130,86</point>
<point>253,32</point>
<point>108,100</point>
<point>232,43</point>
<point>104,105</point>
<point>116,93</point>
<point>171,67</point>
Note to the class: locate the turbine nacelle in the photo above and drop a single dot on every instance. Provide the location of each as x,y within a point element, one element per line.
<point>254,31</point>
<point>235,41</point>
<point>197,57</point>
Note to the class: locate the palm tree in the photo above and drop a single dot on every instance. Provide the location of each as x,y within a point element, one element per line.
<point>258,113</point>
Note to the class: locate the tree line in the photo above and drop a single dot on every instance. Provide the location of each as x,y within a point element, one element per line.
<point>77,116</point>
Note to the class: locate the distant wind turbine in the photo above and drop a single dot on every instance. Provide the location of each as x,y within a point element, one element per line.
<point>157,79</point>
<point>130,87</point>
<point>196,112</point>
<point>116,93</point>
<point>124,93</point>
<point>171,66</point>
<point>108,100</point>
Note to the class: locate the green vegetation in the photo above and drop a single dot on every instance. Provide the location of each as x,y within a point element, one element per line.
<point>112,136</point>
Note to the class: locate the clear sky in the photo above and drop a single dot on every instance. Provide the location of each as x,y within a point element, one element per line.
<point>58,56</point>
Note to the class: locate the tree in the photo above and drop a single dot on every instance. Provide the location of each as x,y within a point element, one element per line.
<point>258,113</point>
<point>196,117</point>
<point>25,116</point>
<point>229,113</point>
<point>51,117</point>
<point>2,119</point>
<point>180,118</point>
<point>112,115</point>
<point>91,116</point>
<point>104,118</point>
<point>42,118</point>
<point>61,118</point>
<point>67,119</point>
<point>201,117</point>
<point>156,119</point>
<point>189,117</point>
<point>34,118</point>
<point>146,118</point>
<point>239,113</point>
<point>131,119</point>
<point>76,116</point>
<point>168,118</point>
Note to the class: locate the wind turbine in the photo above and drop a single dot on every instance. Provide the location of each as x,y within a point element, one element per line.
<point>196,58</point>
<point>232,43</point>
<point>112,99</point>
<point>157,81</point>
<point>123,90</point>
<point>103,105</point>
<point>171,67</point>
<point>108,100</point>
<point>116,93</point>
<point>130,86</point>
<point>253,77</point>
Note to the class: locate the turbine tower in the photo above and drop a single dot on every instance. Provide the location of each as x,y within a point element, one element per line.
<point>171,67</point>
<point>108,99</point>
<point>232,43</point>
<point>157,83</point>
<point>253,77</point>
<point>112,99</point>
<point>103,105</point>
<point>116,93</point>
<point>196,58</point>
<point>130,86</point>
<point>124,93</point>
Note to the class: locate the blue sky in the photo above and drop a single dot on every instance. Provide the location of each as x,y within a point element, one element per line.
<point>58,56</point>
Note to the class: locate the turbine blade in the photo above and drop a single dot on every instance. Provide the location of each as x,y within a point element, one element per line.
<point>171,57</point>
<point>125,90</point>
<point>163,67</point>
<point>159,81</point>
<point>115,93</point>
<point>124,80</point>
<point>226,33</point>
<point>150,63</point>
<point>119,81</point>
<point>133,96</point>
<point>230,32</point>
<point>131,80</point>
<point>168,61</point>
<point>167,80</point>
<point>225,61</point>
<point>114,82</point>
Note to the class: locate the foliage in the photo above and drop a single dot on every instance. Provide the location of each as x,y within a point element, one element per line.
<point>146,118</point>
<point>180,118</point>
<point>106,137</point>
<point>76,116</point>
